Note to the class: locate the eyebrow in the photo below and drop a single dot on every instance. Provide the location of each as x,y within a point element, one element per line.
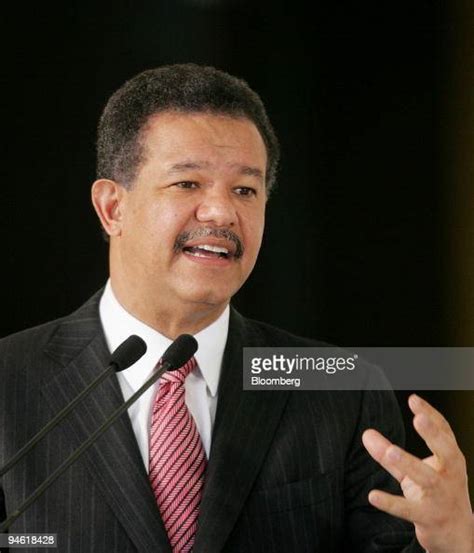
<point>244,170</point>
<point>251,171</point>
<point>186,165</point>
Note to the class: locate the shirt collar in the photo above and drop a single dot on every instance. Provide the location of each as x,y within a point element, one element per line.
<point>119,324</point>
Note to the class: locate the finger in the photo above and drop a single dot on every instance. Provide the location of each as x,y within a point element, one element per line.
<point>398,462</point>
<point>436,431</point>
<point>442,445</point>
<point>420,406</point>
<point>376,444</point>
<point>394,505</point>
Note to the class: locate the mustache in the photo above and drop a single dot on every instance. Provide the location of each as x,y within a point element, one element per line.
<point>227,234</point>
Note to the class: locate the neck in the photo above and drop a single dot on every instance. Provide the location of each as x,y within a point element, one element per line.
<point>169,319</point>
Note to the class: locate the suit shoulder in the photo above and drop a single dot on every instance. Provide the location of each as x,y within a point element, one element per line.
<point>29,342</point>
<point>32,339</point>
<point>277,337</point>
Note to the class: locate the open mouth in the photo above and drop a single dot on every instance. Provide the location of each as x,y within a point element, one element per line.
<point>208,251</point>
<point>214,244</point>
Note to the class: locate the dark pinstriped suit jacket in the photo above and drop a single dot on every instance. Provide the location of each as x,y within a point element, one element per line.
<point>287,472</point>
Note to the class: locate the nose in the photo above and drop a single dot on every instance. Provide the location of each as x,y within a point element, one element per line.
<point>217,207</point>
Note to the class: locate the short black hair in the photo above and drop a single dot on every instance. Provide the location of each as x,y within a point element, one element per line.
<point>183,88</point>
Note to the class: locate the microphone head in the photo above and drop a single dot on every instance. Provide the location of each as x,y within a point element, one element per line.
<point>128,353</point>
<point>180,351</point>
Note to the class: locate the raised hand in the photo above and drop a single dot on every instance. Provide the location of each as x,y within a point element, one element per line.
<point>435,492</point>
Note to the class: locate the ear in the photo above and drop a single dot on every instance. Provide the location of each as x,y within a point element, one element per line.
<point>107,196</point>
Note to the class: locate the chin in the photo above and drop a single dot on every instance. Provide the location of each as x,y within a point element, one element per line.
<point>209,296</point>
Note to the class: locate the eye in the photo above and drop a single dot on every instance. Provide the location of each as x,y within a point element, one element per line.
<point>187,185</point>
<point>245,191</point>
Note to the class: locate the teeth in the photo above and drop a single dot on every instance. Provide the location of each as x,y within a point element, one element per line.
<point>215,249</point>
<point>197,254</point>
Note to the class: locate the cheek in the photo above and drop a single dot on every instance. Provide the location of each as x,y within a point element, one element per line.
<point>254,231</point>
<point>157,222</point>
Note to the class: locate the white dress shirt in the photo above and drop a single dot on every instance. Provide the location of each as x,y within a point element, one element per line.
<point>200,386</point>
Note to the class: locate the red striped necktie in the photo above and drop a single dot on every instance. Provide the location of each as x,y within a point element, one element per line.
<point>177,460</point>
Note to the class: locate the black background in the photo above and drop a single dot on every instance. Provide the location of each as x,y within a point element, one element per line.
<point>355,250</point>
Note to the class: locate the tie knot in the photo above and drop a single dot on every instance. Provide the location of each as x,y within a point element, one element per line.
<point>178,376</point>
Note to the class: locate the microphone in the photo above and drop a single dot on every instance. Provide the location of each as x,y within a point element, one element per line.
<point>178,353</point>
<point>127,353</point>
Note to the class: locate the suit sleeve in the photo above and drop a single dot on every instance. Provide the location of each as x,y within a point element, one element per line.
<point>7,378</point>
<point>3,511</point>
<point>371,530</point>
<point>3,508</point>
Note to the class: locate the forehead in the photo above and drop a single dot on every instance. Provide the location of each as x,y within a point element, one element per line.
<point>203,138</point>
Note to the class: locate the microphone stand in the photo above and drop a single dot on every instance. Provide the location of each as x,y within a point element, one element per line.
<point>80,450</point>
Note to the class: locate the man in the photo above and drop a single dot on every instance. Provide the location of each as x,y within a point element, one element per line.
<point>186,161</point>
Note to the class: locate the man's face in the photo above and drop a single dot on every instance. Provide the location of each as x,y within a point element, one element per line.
<point>192,222</point>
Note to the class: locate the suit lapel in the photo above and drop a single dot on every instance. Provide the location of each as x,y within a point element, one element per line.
<point>114,461</point>
<point>244,428</point>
